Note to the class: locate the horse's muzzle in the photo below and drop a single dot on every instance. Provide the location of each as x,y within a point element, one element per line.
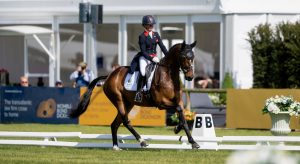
<point>189,78</point>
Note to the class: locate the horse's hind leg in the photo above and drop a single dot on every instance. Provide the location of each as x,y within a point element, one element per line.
<point>122,117</point>
<point>114,128</point>
<point>183,124</point>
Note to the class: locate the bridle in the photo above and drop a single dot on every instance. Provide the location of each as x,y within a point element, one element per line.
<point>183,53</point>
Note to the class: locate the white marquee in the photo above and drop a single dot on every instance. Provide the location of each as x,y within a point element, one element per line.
<point>236,18</point>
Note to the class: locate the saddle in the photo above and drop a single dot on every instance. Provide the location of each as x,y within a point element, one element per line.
<point>131,79</point>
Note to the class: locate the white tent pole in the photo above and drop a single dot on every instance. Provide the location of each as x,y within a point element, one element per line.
<point>85,42</point>
<point>26,73</point>
<point>189,37</point>
<point>90,42</point>
<point>93,57</point>
<point>222,58</point>
<point>122,34</point>
<point>43,46</point>
<point>52,62</point>
<point>56,46</point>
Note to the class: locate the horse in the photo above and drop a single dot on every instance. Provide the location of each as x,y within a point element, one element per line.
<point>165,91</point>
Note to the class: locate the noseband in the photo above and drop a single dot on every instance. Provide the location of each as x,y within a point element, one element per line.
<point>187,69</point>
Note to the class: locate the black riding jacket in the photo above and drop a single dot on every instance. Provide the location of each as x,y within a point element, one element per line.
<point>148,44</point>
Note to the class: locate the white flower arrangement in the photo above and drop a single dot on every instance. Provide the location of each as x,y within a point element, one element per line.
<point>282,103</point>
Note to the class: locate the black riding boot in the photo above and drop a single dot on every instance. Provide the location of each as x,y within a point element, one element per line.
<point>140,85</point>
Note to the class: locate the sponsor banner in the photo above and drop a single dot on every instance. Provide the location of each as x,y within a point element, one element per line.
<point>102,112</point>
<point>38,104</point>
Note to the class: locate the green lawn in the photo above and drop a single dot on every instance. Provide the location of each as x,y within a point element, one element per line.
<point>37,154</point>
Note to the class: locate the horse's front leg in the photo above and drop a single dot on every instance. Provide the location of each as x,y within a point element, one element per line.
<point>178,127</point>
<point>183,124</point>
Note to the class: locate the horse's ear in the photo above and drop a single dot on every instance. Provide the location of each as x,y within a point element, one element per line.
<point>194,44</point>
<point>183,45</point>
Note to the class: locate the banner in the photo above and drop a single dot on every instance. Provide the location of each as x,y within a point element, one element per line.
<point>102,112</point>
<point>244,107</point>
<point>38,104</point>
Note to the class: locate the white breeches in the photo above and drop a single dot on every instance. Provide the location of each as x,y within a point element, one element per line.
<point>143,63</point>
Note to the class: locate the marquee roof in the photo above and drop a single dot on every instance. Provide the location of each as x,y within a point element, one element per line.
<point>43,11</point>
<point>23,30</point>
<point>29,30</point>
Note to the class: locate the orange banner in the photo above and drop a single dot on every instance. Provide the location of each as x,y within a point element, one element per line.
<point>102,112</point>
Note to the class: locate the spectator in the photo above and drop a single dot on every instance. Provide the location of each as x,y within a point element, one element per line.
<point>24,81</point>
<point>203,82</point>
<point>59,84</point>
<point>40,82</point>
<point>82,76</point>
<point>115,66</point>
<point>4,77</point>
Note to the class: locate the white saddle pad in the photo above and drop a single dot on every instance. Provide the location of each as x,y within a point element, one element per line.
<point>131,81</point>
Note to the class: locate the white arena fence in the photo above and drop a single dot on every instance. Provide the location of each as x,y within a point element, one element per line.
<point>204,135</point>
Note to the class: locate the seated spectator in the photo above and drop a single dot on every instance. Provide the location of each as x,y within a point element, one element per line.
<point>59,84</point>
<point>203,82</point>
<point>114,66</point>
<point>24,81</point>
<point>40,82</point>
<point>4,77</point>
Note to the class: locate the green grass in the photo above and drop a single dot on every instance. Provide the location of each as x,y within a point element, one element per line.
<point>37,154</point>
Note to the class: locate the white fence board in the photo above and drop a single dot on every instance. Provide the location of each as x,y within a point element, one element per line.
<point>259,140</point>
<point>40,134</point>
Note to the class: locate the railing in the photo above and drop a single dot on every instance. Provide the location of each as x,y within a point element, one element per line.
<point>205,90</point>
<point>245,142</point>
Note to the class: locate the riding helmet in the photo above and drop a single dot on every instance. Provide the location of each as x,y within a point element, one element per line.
<point>148,19</point>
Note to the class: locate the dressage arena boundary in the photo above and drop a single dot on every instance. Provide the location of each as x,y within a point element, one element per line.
<point>203,133</point>
<point>206,143</point>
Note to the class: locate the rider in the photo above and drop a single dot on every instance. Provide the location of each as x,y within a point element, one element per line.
<point>148,41</point>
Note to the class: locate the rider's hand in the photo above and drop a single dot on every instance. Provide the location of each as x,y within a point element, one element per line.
<point>155,59</point>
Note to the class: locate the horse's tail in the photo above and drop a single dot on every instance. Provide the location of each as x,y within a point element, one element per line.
<point>85,99</point>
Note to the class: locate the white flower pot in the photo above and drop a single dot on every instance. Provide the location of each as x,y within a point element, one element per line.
<point>280,124</point>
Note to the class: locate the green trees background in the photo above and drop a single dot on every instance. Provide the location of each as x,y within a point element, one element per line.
<point>276,55</point>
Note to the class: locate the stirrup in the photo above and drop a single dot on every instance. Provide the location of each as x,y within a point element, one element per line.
<point>138,97</point>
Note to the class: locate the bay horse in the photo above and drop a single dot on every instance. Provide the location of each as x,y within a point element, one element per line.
<point>166,92</point>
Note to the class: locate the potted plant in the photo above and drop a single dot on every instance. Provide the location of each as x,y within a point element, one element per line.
<point>188,115</point>
<point>281,108</point>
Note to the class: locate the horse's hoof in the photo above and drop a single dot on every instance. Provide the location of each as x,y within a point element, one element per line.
<point>144,144</point>
<point>116,148</point>
<point>195,146</point>
<point>177,129</point>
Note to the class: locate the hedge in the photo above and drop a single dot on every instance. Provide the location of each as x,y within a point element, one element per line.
<point>276,55</point>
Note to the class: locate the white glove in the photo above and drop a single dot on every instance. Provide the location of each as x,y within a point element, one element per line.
<point>155,59</point>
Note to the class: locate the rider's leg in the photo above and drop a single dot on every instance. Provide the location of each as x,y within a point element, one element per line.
<point>143,63</point>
